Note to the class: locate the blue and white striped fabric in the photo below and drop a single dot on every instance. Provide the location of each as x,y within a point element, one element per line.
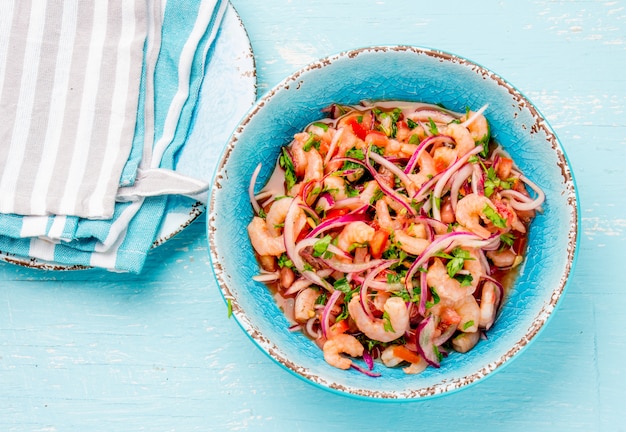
<point>62,173</point>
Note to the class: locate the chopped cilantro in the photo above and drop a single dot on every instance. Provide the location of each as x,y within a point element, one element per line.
<point>468,324</point>
<point>284,261</point>
<point>287,164</point>
<point>377,196</point>
<point>411,124</point>
<point>321,299</point>
<point>432,126</point>
<point>342,285</point>
<point>494,216</point>
<point>414,139</point>
<point>387,322</point>
<point>321,125</point>
<point>313,141</point>
<point>320,246</point>
<point>507,238</point>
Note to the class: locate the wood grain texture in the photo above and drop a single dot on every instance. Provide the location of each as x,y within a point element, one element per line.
<point>91,350</point>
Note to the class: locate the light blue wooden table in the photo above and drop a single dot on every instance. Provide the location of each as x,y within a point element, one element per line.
<point>91,351</point>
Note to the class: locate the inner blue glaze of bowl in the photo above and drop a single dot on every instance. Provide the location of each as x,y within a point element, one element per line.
<point>410,74</point>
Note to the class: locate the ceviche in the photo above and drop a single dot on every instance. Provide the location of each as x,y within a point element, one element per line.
<point>391,231</point>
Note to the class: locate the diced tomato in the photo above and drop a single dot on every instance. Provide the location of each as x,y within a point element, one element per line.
<point>504,168</point>
<point>378,244</point>
<point>359,129</point>
<point>406,354</point>
<point>338,328</point>
<point>336,212</point>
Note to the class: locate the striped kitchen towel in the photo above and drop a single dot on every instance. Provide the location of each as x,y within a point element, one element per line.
<point>80,136</point>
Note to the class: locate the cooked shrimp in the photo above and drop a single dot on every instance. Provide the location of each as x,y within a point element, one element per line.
<point>342,344</point>
<point>370,189</point>
<point>307,163</point>
<point>462,138</point>
<point>304,305</point>
<point>474,267</point>
<point>263,242</point>
<point>276,215</point>
<point>410,244</point>
<point>336,186</point>
<point>478,128</point>
<point>427,170</point>
<point>447,288</point>
<point>470,314</point>
<point>383,330</point>
<point>382,215</point>
<point>470,211</point>
<point>314,166</point>
<point>465,341</point>
<point>355,232</point>
<point>488,300</point>
<point>503,258</point>
<point>298,155</point>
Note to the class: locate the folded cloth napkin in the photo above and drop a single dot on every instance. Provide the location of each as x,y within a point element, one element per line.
<point>96,109</point>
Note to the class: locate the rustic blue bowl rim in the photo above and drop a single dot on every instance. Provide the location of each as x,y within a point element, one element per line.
<point>444,386</point>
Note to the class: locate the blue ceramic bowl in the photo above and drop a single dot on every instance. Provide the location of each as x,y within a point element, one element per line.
<point>394,73</point>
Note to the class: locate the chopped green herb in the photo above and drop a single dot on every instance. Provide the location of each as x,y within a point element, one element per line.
<point>321,299</point>
<point>313,141</point>
<point>359,119</point>
<point>321,125</point>
<point>468,324</point>
<point>411,124</point>
<point>507,238</point>
<point>284,261</point>
<point>494,216</point>
<point>414,139</point>
<point>321,246</point>
<point>287,164</point>
<point>432,126</point>
<point>377,196</point>
<point>229,308</point>
<point>387,322</point>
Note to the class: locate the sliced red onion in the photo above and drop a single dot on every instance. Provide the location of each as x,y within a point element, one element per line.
<point>364,287</point>
<point>298,286</point>
<point>478,180</point>
<point>364,371</point>
<point>333,146</point>
<point>253,201</point>
<point>441,183</point>
<point>335,223</point>
<point>425,341</point>
<point>421,309</point>
<point>351,267</point>
<point>330,304</point>
<point>474,116</point>
<point>443,338</point>
<point>309,328</point>
<point>426,114</point>
<point>392,168</point>
<point>525,205</point>
<point>423,191</point>
<point>459,178</point>
<point>290,246</point>
<point>500,290</point>
<point>383,186</point>
<point>421,147</point>
<point>294,327</point>
<point>369,361</point>
<point>266,277</point>
<point>443,242</point>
